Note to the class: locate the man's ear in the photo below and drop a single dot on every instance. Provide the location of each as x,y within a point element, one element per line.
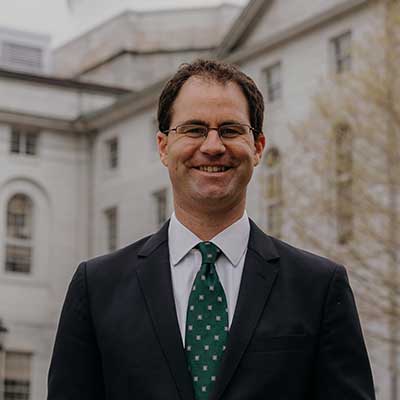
<point>259,144</point>
<point>162,145</point>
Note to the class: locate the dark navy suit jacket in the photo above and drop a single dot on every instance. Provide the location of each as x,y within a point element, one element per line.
<point>295,334</point>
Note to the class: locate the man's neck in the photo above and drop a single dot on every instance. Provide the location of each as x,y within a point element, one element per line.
<point>207,224</point>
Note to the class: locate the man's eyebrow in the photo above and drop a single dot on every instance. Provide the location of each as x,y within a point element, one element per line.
<point>201,122</point>
<point>194,121</point>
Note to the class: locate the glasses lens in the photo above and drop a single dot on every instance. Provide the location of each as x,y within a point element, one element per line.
<point>232,131</point>
<point>193,131</point>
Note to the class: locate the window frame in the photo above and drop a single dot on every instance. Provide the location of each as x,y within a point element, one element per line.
<point>273,89</point>
<point>15,242</point>
<point>273,192</point>
<point>25,383</point>
<point>112,153</point>
<point>341,52</point>
<point>160,198</point>
<point>111,217</point>
<point>344,183</point>
<point>22,146</point>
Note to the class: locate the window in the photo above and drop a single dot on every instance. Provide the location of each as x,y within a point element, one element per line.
<point>112,153</point>
<point>274,83</point>
<point>160,198</point>
<point>112,225</point>
<point>19,234</point>
<point>273,192</point>
<point>22,57</point>
<point>17,375</point>
<point>344,183</point>
<point>24,141</point>
<point>341,49</point>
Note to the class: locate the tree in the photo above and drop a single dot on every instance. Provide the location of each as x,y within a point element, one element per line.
<point>347,191</point>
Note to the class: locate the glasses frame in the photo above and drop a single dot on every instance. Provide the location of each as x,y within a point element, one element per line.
<point>210,128</point>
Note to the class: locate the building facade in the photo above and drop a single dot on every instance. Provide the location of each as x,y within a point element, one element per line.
<point>79,170</point>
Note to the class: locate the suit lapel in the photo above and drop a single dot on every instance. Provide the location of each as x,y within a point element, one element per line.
<point>155,280</point>
<point>259,273</point>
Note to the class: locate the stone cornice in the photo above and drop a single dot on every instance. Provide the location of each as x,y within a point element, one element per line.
<point>134,52</point>
<point>64,83</point>
<point>10,117</point>
<point>123,108</point>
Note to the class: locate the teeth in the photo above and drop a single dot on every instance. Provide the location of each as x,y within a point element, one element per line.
<point>212,168</point>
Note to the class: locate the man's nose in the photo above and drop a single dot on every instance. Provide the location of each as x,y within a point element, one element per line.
<point>212,144</point>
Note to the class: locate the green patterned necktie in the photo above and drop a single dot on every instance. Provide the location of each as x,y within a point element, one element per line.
<point>206,323</point>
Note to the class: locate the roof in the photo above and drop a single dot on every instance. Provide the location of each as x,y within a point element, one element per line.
<point>65,83</point>
<point>242,26</point>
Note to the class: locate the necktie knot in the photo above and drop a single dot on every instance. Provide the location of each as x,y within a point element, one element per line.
<point>209,252</point>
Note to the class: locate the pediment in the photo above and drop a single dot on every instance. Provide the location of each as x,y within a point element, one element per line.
<point>261,20</point>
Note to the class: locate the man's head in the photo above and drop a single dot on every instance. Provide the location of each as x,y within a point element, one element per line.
<point>210,135</point>
<point>217,72</point>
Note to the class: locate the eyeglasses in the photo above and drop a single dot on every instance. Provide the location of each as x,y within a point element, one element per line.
<point>230,131</point>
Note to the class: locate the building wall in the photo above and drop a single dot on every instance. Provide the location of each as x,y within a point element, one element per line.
<point>306,63</point>
<point>130,186</point>
<point>56,181</point>
<point>73,185</point>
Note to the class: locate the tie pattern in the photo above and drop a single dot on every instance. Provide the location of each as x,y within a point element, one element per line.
<point>206,323</point>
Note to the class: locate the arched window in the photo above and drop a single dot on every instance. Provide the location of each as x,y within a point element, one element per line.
<point>19,234</point>
<point>273,192</point>
<point>344,183</point>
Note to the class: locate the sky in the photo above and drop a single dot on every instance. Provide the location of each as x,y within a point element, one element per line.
<point>55,18</point>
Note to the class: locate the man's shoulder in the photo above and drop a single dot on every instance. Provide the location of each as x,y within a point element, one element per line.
<point>303,256</point>
<point>294,257</point>
<point>116,261</point>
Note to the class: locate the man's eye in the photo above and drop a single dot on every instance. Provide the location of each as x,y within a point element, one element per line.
<point>232,131</point>
<point>192,130</point>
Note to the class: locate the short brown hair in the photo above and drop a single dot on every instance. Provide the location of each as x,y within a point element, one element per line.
<point>220,72</point>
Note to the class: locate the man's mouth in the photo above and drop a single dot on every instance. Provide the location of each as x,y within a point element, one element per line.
<point>213,168</point>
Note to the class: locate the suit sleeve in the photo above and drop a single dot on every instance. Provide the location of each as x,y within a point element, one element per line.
<point>342,368</point>
<point>75,369</point>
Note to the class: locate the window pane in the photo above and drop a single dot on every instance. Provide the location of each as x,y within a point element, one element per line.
<point>344,183</point>
<point>15,141</point>
<point>111,221</point>
<point>112,148</point>
<point>342,52</point>
<point>19,217</point>
<point>275,220</point>
<point>31,143</point>
<point>160,198</point>
<point>17,376</point>
<point>18,258</point>
<point>273,76</point>
<point>23,57</point>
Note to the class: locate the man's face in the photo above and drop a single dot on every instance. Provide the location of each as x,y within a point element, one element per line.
<point>213,104</point>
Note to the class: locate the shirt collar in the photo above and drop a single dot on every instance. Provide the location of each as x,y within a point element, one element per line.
<point>232,241</point>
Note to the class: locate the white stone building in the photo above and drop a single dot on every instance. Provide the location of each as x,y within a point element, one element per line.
<point>79,169</point>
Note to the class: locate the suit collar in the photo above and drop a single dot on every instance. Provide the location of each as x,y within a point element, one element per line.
<point>156,240</point>
<point>261,243</point>
<point>258,241</point>
<point>233,240</point>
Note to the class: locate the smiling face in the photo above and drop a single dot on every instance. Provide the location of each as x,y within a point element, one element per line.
<point>209,173</point>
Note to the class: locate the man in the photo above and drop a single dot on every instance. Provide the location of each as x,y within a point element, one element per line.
<point>210,307</point>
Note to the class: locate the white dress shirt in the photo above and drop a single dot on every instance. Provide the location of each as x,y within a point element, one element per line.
<point>186,262</point>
